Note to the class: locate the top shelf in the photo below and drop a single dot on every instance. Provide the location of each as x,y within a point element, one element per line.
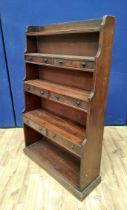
<point>66,28</point>
<point>43,33</point>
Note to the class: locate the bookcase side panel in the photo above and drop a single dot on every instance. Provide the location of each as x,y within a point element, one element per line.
<point>91,152</point>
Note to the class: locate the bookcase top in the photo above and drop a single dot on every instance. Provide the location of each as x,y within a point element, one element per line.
<point>68,27</point>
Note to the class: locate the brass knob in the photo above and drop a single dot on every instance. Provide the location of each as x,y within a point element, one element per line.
<point>28,88</point>
<point>42,91</point>
<point>83,64</point>
<point>57,97</point>
<point>77,102</point>
<point>40,128</point>
<point>45,60</point>
<point>72,146</point>
<point>27,121</point>
<point>61,62</point>
<point>30,58</point>
<point>54,135</point>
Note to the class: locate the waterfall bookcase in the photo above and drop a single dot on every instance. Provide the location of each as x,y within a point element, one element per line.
<point>65,87</point>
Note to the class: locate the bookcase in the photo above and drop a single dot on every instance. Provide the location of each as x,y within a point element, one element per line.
<point>65,87</point>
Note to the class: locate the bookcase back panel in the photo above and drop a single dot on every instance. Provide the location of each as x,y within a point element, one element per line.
<point>78,79</point>
<point>71,44</point>
<point>32,102</point>
<point>31,44</point>
<point>60,110</point>
<point>32,71</point>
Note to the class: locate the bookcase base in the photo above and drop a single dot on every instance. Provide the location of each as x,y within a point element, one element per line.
<point>33,151</point>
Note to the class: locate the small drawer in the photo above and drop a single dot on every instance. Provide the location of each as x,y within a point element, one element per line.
<point>46,60</point>
<point>32,59</point>
<point>35,90</point>
<point>64,142</point>
<point>59,62</point>
<point>86,64</point>
<point>38,60</point>
<point>73,63</point>
<point>79,104</point>
<point>35,126</point>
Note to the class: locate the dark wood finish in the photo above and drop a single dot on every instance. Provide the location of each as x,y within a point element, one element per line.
<point>57,159</point>
<point>82,63</point>
<point>59,109</point>
<point>62,131</point>
<point>60,165</point>
<point>69,27</point>
<point>76,79</point>
<point>65,88</point>
<point>59,93</point>
<point>71,44</point>
<point>95,119</point>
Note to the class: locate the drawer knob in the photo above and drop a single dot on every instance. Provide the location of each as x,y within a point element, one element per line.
<point>54,135</point>
<point>42,92</point>
<point>45,60</point>
<point>30,58</point>
<point>61,62</point>
<point>72,146</point>
<point>83,64</point>
<point>28,88</point>
<point>57,97</point>
<point>40,128</point>
<point>77,102</point>
<point>27,121</point>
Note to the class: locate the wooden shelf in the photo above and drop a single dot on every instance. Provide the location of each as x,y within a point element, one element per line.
<point>73,57</point>
<point>60,89</point>
<point>73,97</point>
<point>43,33</point>
<point>57,162</point>
<point>65,28</point>
<point>62,131</point>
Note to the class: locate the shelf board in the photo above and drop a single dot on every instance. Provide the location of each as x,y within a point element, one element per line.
<point>65,28</point>
<point>60,89</point>
<point>59,163</point>
<point>72,57</point>
<point>43,33</point>
<point>72,132</point>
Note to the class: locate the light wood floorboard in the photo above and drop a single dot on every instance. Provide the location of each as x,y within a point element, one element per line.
<point>25,186</point>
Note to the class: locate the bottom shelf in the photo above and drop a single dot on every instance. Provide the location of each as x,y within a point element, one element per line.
<point>52,157</point>
<point>60,164</point>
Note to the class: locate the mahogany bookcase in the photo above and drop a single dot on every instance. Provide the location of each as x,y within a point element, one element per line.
<point>65,88</point>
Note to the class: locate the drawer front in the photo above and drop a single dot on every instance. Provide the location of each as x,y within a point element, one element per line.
<point>53,136</point>
<point>82,64</point>
<point>35,90</point>
<point>73,63</point>
<point>36,127</point>
<point>62,141</point>
<point>40,60</point>
<point>81,105</point>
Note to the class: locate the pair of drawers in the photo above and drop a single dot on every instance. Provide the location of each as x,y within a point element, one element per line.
<point>66,100</point>
<point>62,141</point>
<point>69,63</point>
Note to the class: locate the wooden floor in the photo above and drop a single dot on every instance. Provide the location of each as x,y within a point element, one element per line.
<point>25,186</point>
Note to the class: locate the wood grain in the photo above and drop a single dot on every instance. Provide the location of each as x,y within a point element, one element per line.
<point>74,45</point>
<point>77,79</point>
<point>60,89</point>
<point>95,120</point>
<point>67,27</point>
<point>26,186</point>
<point>63,127</point>
<point>69,44</point>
